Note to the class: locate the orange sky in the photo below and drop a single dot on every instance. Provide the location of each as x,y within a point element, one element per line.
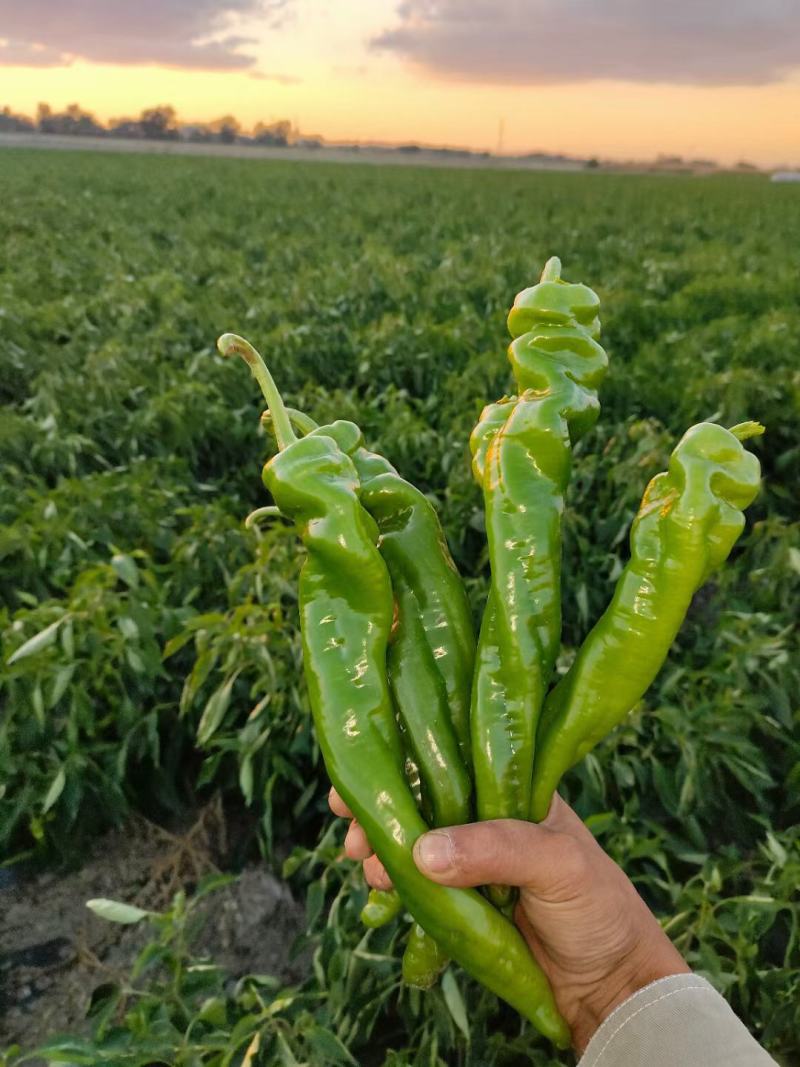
<point>337,86</point>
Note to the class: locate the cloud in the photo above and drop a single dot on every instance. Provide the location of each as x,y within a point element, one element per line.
<point>24,54</point>
<point>530,42</point>
<point>281,79</point>
<point>191,34</point>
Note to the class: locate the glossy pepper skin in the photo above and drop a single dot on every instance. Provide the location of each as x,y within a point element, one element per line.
<point>432,651</point>
<point>345,613</point>
<point>690,518</point>
<point>429,662</point>
<point>433,645</point>
<point>382,906</point>
<point>521,451</point>
<point>423,960</point>
<point>430,654</point>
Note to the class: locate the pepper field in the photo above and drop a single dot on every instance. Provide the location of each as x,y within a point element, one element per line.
<point>156,663</point>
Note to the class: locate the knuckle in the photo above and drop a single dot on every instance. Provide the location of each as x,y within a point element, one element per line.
<point>482,848</point>
<point>573,859</point>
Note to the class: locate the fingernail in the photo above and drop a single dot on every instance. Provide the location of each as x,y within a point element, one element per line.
<point>434,852</point>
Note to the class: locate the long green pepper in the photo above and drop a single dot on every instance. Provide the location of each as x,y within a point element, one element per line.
<point>521,451</point>
<point>346,613</point>
<point>690,518</point>
<point>432,648</point>
<point>429,661</point>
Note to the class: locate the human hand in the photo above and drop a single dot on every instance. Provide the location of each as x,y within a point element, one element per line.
<point>582,918</point>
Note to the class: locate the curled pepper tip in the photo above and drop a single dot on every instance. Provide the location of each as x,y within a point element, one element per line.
<point>745,430</point>
<point>552,270</point>
<point>231,344</point>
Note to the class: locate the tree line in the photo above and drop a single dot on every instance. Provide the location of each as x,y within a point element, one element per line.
<point>159,123</point>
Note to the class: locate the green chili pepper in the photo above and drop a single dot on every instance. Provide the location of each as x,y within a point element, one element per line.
<point>689,519</point>
<point>423,960</point>
<point>345,612</point>
<point>382,906</point>
<point>521,458</point>
<point>431,651</point>
<point>435,629</point>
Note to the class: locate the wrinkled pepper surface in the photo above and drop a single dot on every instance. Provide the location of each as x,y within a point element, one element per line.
<point>521,452</point>
<point>429,660</point>
<point>689,519</point>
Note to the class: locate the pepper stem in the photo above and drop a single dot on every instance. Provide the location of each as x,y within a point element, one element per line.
<point>231,343</point>
<point>269,512</point>
<point>302,422</point>
<point>552,270</point>
<point>745,430</point>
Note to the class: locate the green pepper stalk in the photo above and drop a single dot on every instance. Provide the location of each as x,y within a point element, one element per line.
<point>521,451</point>
<point>346,610</point>
<point>689,519</point>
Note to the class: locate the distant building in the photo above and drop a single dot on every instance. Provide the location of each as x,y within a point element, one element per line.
<point>786,176</point>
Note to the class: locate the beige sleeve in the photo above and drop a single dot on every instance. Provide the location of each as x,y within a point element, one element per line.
<point>677,1020</point>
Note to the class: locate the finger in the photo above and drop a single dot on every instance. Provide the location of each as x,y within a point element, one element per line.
<point>502,852</point>
<point>375,874</point>
<point>338,806</point>
<point>356,845</point>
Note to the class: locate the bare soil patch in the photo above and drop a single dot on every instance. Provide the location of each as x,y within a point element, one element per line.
<point>54,952</point>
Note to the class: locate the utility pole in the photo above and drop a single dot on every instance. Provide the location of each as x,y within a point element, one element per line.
<point>501,127</point>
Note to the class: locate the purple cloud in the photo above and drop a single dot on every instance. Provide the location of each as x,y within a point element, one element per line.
<point>170,33</point>
<point>530,42</point>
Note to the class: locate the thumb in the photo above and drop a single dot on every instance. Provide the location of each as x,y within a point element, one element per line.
<point>499,851</point>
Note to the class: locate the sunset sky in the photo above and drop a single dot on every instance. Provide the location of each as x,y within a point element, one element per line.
<point>615,78</point>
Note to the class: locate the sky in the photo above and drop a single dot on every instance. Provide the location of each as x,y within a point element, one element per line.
<point>622,79</point>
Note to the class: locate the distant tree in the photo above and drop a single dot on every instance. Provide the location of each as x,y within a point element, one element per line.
<point>274,133</point>
<point>593,163</point>
<point>11,123</point>
<point>43,115</point>
<point>159,123</point>
<point>225,130</point>
<point>82,122</point>
<point>73,121</point>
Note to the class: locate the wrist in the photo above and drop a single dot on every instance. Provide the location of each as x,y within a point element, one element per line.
<point>644,965</point>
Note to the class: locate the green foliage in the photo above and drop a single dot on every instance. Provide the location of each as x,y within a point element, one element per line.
<point>149,642</point>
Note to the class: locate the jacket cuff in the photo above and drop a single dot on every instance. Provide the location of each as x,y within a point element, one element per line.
<point>679,1019</point>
